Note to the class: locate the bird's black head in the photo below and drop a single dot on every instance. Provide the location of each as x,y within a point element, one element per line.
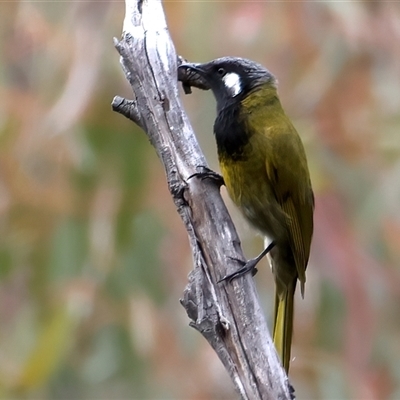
<point>232,78</point>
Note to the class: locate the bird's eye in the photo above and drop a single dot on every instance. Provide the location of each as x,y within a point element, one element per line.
<point>221,72</point>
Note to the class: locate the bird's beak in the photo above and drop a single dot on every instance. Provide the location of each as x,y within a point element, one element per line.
<point>192,74</point>
<point>195,67</point>
<point>193,71</point>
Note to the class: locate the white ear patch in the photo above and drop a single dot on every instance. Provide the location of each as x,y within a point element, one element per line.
<point>233,83</point>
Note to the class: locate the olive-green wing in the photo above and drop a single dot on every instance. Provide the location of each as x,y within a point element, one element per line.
<point>300,232</point>
<point>292,188</point>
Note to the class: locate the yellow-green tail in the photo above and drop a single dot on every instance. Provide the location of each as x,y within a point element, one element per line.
<point>283,324</point>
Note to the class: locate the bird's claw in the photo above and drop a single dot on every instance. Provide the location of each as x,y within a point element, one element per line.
<point>249,266</point>
<point>208,173</point>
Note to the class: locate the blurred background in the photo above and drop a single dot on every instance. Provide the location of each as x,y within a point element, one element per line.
<point>93,255</point>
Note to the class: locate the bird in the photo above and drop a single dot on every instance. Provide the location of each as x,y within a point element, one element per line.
<point>264,167</point>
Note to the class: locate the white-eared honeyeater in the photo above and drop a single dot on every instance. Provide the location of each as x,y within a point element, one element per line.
<point>265,170</point>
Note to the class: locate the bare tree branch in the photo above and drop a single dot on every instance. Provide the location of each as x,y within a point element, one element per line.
<point>228,315</point>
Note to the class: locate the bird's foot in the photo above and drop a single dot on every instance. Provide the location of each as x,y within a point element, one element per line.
<point>208,173</point>
<point>249,266</point>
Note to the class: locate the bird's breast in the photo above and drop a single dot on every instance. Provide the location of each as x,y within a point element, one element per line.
<point>250,189</point>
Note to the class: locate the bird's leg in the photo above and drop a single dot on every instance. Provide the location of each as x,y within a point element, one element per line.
<point>208,173</point>
<point>249,265</point>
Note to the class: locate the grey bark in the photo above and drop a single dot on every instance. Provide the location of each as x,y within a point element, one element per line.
<point>228,315</point>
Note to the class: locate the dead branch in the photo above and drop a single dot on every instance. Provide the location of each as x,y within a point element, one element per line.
<point>228,315</point>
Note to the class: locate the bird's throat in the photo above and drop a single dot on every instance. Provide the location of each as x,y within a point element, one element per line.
<point>230,132</point>
<point>237,122</point>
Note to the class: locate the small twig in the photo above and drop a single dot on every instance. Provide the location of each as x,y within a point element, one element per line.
<point>127,108</point>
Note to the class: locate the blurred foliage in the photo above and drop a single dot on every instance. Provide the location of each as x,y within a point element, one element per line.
<point>93,256</point>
